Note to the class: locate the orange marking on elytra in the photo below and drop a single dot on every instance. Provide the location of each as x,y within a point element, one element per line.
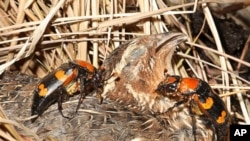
<point>208,104</point>
<point>188,84</point>
<point>60,75</point>
<point>221,118</point>
<point>42,90</point>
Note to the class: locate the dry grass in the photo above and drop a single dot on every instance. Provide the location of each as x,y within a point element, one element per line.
<point>37,36</point>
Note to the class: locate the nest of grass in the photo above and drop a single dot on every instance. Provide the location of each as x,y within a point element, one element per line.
<point>38,36</point>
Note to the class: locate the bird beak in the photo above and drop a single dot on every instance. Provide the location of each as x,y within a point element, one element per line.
<point>170,39</point>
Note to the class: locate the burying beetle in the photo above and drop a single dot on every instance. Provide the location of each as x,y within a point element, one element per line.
<point>201,100</point>
<point>67,80</point>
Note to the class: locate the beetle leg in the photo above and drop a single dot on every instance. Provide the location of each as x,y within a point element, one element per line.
<point>100,98</point>
<point>210,124</point>
<point>98,95</point>
<point>61,98</point>
<point>176,105</point>
<point>82,92</point>
<point>193,122</point>
<point>213,129</point>
<point>98,92</point>
<point>98,84</point>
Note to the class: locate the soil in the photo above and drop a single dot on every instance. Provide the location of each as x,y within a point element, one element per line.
<point>233,38</point>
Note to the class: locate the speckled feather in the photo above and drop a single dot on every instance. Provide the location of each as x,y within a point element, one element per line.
<point>140,66</point>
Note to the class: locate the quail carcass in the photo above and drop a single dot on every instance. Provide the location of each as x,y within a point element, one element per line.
<point>132,73</point>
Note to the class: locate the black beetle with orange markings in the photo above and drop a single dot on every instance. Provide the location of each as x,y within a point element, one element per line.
<point>201,100</point>
<point>67,80</point>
